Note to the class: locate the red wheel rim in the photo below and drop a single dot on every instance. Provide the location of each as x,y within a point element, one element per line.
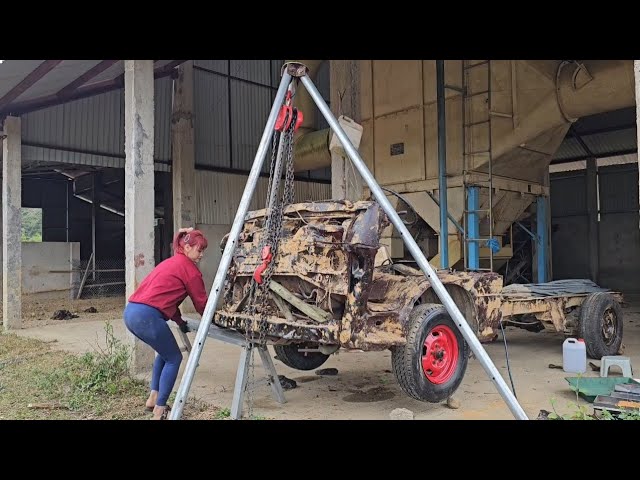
<point>440,355</point>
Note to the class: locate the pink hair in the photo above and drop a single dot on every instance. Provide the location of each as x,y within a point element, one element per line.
<point>193,238</point>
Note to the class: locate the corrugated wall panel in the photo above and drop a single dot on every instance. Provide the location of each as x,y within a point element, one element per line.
<point>568,194</point>
<point>94,123</point>
<point>569,226</point>
<point>211,120</point>
<point>87,124</point>
<point>258,71</point>
<point>618,188</point>
<point>220,66</point>
<point>43,154</point>
<point>218,195</point>
<point>163,94</point>
<point>276,69</point>
<point>250,106</point>
<point>44,126</point>
<point>619,255</point>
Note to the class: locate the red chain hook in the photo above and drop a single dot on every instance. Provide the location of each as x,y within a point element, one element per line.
<point>266,259</point>
<point>283,123</point>
<point>285,116</point>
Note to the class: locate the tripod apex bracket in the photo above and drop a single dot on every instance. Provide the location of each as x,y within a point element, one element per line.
<point>295,69</point>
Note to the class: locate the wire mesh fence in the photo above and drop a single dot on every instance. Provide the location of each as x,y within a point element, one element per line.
<point>106,279</point>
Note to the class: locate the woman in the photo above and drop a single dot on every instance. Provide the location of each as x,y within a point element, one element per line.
<point>156,300</point>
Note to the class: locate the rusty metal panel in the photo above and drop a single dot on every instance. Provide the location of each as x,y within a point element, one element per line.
<point>211,128</point>
<point>250,106</point>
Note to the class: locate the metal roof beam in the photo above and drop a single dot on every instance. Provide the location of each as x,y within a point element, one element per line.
<point>26,83</point>
<point>85,77</point>
<point>26,106</point>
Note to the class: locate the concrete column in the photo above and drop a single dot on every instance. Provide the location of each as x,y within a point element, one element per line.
<point>346,182</point>
<point>183,151</point>
<point>12,224</point>
<point>592,209</point>
<point>139,187</point>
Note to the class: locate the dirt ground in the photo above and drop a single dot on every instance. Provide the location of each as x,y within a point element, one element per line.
<point>38,309</point>
<point>364,387</point>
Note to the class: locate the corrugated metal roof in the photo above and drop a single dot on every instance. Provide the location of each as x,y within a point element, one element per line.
<point>600,144</point>
<point>28,85</point>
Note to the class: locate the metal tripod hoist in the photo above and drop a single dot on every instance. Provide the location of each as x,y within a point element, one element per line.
<point>283,120</point>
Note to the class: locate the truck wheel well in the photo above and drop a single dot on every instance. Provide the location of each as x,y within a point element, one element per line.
<point>460,297</point>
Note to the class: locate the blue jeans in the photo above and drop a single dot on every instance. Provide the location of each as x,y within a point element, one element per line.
<point>149,325</point>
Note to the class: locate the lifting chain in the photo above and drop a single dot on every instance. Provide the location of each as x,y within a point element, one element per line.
<point>256,306</point>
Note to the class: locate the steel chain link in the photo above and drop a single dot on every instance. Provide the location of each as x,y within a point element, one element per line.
<point>258,296</point>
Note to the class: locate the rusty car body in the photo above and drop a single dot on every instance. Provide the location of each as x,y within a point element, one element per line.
<point>336,291</point>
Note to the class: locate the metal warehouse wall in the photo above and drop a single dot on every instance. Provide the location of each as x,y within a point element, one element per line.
<point>619,233</point>
<point>90,131</point>
<point>218,195</point>
<point>232,100</point>
<point>232,103</point>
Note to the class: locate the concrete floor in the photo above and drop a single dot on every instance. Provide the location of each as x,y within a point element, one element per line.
<point>365,388</point>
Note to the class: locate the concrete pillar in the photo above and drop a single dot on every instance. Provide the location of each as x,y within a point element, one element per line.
<point>12,224</point>
<point>346,182</point>
<point>592,209</point>
<point>183,151</point>
<point>139,187</point>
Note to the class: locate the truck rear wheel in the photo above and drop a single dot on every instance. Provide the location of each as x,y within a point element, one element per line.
<point>292,357</point>
<point>601,325</point>
<point>432,364</point>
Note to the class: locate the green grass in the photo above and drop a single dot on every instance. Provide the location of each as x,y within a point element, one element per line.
<point>38,382</point>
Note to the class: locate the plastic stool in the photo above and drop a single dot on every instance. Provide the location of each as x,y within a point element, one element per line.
<point>623,362</point>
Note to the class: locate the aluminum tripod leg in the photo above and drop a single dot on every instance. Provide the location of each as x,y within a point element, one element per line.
<point>225,260</point>
<point>241,378</point>
<point>417,254</point>
<point>241,382</point>
<point>272,374</point>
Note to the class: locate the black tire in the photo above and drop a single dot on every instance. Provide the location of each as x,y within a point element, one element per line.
<point>291,357</point>
<point>442,379</point>
<point>601,325</point>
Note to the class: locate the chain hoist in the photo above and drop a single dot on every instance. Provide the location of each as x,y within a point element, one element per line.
<point>256,307</point>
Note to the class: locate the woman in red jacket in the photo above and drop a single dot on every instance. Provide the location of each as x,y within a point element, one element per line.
<point>156,300</point>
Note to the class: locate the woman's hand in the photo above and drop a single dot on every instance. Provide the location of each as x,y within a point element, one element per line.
<point>185,230</point>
